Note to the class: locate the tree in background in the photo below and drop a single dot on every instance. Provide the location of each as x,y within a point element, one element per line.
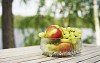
<point>7,24</point>
<point>86,8</point>
<point>78,12</point>
<point>96,19</point>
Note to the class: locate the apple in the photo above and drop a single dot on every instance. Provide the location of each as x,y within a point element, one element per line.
<point>65,47</point>
<point>53,31</point>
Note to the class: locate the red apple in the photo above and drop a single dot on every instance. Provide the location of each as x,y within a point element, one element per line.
<point>53,31</point>
<point>65,47</point>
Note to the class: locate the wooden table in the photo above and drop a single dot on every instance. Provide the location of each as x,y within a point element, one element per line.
<point>89,54</point>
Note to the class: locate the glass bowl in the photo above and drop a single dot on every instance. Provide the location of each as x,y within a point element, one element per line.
<point>60,47</point>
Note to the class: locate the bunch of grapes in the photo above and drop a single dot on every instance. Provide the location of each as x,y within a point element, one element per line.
<point>70,33</point>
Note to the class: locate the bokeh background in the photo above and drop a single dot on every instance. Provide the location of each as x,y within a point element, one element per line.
<point>33,16</point>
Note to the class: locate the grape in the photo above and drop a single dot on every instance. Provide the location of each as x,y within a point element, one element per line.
<point>42,34</point>
<point>79,36</point>
<point>68,28</point>
<point>73,29</point>
<point>72,36</point>
<point>67,35</point>
<point>50,47</point>
<point>66,32</point>
<point>76,33</point>
<point>64,36</point>
<point>74,41</point>
<point>64,29</point>
<point>71,32</point>
<point>65,40</point>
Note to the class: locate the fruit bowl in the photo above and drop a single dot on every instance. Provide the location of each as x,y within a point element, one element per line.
<point>60,47</point>
<point>60,41</point>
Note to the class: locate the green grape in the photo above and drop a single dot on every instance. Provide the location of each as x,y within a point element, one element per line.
<point>64,29</point>
<point>66,40</point>
<point>51,47</point>
<point>68,28</point>
<point>74,41</point>
<point>73,29</point>
<point>76,33</point>
<point>72,35</point>
<point>64,36</point>
<point>66,32</point>
<point>47,47</point>
<point>42,34</point>
<point>79,36</point>
<point>67,35</point>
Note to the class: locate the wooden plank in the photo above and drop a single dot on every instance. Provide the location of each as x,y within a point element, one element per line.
<point>97,61</point>
<point>29,54</point>
<point>40,60</point>
<point>24,59</point>
<point>20,52</point>
<point>92,59</point>
<point>20,57</point>
<point>69,58</point>
<point>14,50</point>
<point>17,57</point>
<point>83,57</point>
<point>52,59</point>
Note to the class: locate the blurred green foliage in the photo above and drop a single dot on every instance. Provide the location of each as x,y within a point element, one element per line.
<point>73,19</point>
<point>74,13</point>
<point>89,40</point>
